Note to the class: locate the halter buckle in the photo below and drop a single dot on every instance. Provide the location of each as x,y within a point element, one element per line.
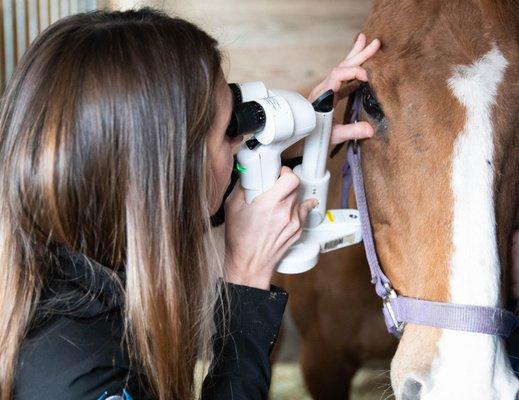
<point>386,301</point>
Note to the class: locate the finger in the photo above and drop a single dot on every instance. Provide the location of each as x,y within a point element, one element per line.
<point>285,170</point>
<point>286,184</point>
<point>297,221</point>
<point>292,228</point>
<point>360,43</point>
<point>337,77</point>
<point>342,133</point>
<point>340,75</point>
<point>291,200</point>
<point>364,55</point>
<point>305,207</point>
<point>289,242</point>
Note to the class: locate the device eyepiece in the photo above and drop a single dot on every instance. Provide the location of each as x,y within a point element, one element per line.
<point>248,117</point>
<point>236,93</point>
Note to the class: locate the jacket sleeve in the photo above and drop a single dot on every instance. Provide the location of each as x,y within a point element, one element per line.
<point>247,324</point>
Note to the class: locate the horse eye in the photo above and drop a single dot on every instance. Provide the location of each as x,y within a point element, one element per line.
<point>370,103</point>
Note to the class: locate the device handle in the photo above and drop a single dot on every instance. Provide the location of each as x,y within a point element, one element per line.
<point>313,174</point>
<point>259,167</point>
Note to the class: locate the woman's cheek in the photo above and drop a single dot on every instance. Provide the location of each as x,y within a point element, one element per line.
<point>231,162</point>
<point>227,164</point>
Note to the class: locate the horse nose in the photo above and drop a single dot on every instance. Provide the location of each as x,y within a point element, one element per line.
<point>412,389</point>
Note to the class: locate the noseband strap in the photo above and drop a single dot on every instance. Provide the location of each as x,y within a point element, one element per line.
<point>400,310</point>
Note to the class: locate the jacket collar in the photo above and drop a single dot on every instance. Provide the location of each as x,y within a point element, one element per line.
<point>79,287</point>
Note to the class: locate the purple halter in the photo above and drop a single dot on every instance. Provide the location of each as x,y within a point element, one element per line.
<point>400,310</point>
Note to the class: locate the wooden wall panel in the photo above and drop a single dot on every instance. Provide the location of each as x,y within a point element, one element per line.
<point>289,44</point>
<point>22,20</point>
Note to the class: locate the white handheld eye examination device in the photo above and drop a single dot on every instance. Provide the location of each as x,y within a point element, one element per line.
<point>278,119</point>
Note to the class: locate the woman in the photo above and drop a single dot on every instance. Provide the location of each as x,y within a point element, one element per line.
<point>114,156</point>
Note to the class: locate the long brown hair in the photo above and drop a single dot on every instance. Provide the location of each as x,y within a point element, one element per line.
<point>102,150</point>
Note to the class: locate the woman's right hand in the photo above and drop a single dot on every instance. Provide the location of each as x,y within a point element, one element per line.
<point>258,234</point>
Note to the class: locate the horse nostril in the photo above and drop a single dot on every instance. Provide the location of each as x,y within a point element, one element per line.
<point>412,389</point>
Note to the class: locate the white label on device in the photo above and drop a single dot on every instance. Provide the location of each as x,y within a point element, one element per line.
<point>335,243</point>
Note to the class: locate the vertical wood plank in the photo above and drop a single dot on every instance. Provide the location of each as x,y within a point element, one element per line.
<point>38,15</point>
<point>63,8</point>
<point>44,14</point>
<point>9,37</point>
<point>20,28</point>
<point>12,27</point>
<point>91,4</point>
<point>74,7</point>
<point>32,14</point>
<point>54,10</point>
<point>2,49</point>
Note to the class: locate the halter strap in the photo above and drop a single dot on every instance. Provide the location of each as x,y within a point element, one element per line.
<point>399,310</point>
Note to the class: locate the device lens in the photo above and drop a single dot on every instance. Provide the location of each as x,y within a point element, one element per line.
<point>248,117</point>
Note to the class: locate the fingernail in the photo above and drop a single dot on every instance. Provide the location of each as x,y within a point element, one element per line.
<point>316,203</point>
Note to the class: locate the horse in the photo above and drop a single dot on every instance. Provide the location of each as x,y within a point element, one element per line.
<point>441,181</point>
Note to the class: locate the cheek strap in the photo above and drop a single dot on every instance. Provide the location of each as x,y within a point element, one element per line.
<point>400,310</point>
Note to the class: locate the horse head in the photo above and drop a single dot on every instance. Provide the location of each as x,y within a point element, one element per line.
<point>441,180</point>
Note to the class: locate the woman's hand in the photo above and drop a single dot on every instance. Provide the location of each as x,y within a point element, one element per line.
<point>348,70</point>
<point>258,234</point>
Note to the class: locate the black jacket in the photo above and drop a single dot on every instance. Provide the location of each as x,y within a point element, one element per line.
<point>74,350</point>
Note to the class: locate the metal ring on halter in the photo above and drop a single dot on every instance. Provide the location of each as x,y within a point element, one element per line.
<point>386,301</point>
<point>355,144</point>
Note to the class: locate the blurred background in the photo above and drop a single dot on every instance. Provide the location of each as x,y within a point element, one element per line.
<point>289,44</point>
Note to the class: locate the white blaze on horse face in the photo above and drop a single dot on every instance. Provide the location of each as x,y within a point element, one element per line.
<point>470,365</point>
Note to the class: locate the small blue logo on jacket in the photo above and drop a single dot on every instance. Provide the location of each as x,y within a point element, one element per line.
<point>125,396</point>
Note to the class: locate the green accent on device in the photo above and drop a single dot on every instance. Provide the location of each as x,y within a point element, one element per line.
<point>240,168</point>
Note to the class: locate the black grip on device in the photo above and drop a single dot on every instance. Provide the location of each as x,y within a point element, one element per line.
<point>324,102</point>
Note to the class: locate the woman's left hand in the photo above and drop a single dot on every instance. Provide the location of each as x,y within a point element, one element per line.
<point>348,70</point>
